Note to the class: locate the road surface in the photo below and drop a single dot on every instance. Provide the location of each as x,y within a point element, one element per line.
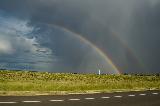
<point>135,98</point>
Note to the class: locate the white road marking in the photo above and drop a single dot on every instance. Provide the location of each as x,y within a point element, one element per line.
<point>89,98</point>
<point>136,90</point>
<point>31,101</point>
<point>7,102</point>
<point>117,96</point>
<point>56,100</point>
<point>155,93</point>
<point>143,94</point>
<point>118,91</point>
<point>131,95</point>
<point>105,97</point>
<point>42,94</point>
<point>74,99</point>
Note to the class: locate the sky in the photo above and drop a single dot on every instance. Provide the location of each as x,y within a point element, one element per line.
<point>80,36</point>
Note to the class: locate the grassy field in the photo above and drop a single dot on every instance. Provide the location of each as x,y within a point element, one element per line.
<point>25,81</point>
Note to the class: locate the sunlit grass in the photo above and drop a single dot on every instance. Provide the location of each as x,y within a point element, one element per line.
<point>44,81</point>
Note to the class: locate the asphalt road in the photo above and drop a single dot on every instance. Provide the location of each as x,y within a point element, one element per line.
<point>135,98</point>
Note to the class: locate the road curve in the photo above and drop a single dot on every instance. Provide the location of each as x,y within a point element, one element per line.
<point>135,98</point>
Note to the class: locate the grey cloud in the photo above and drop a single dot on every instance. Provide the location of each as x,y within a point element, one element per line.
<point>126,30</point>
<point>18,50</point>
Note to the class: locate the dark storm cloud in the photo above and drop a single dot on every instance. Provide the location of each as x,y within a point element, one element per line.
<point>109,24</point>
<point>145,31</point>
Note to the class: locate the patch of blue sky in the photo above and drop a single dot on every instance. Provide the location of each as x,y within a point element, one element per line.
<point>17,26</point>
<point>24,52</point>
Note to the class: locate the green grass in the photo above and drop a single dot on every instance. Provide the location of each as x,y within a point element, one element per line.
<point>47,82</point>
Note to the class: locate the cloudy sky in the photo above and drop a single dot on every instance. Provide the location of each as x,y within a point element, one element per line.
<point>116,36</point>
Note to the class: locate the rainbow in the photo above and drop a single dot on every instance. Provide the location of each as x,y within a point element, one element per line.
<point>87,42</point>
<point>123,43</point>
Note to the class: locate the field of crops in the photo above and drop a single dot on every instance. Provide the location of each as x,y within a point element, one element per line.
<point>44,81</point>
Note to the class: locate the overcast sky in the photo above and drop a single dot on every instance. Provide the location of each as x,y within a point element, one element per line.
<point>42,35</point>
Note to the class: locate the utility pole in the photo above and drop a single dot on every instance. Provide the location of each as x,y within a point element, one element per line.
<point>99,71</point>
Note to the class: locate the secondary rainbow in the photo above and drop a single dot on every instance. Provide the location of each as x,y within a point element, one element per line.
<point>132,53</point>
<point>87,42</point>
